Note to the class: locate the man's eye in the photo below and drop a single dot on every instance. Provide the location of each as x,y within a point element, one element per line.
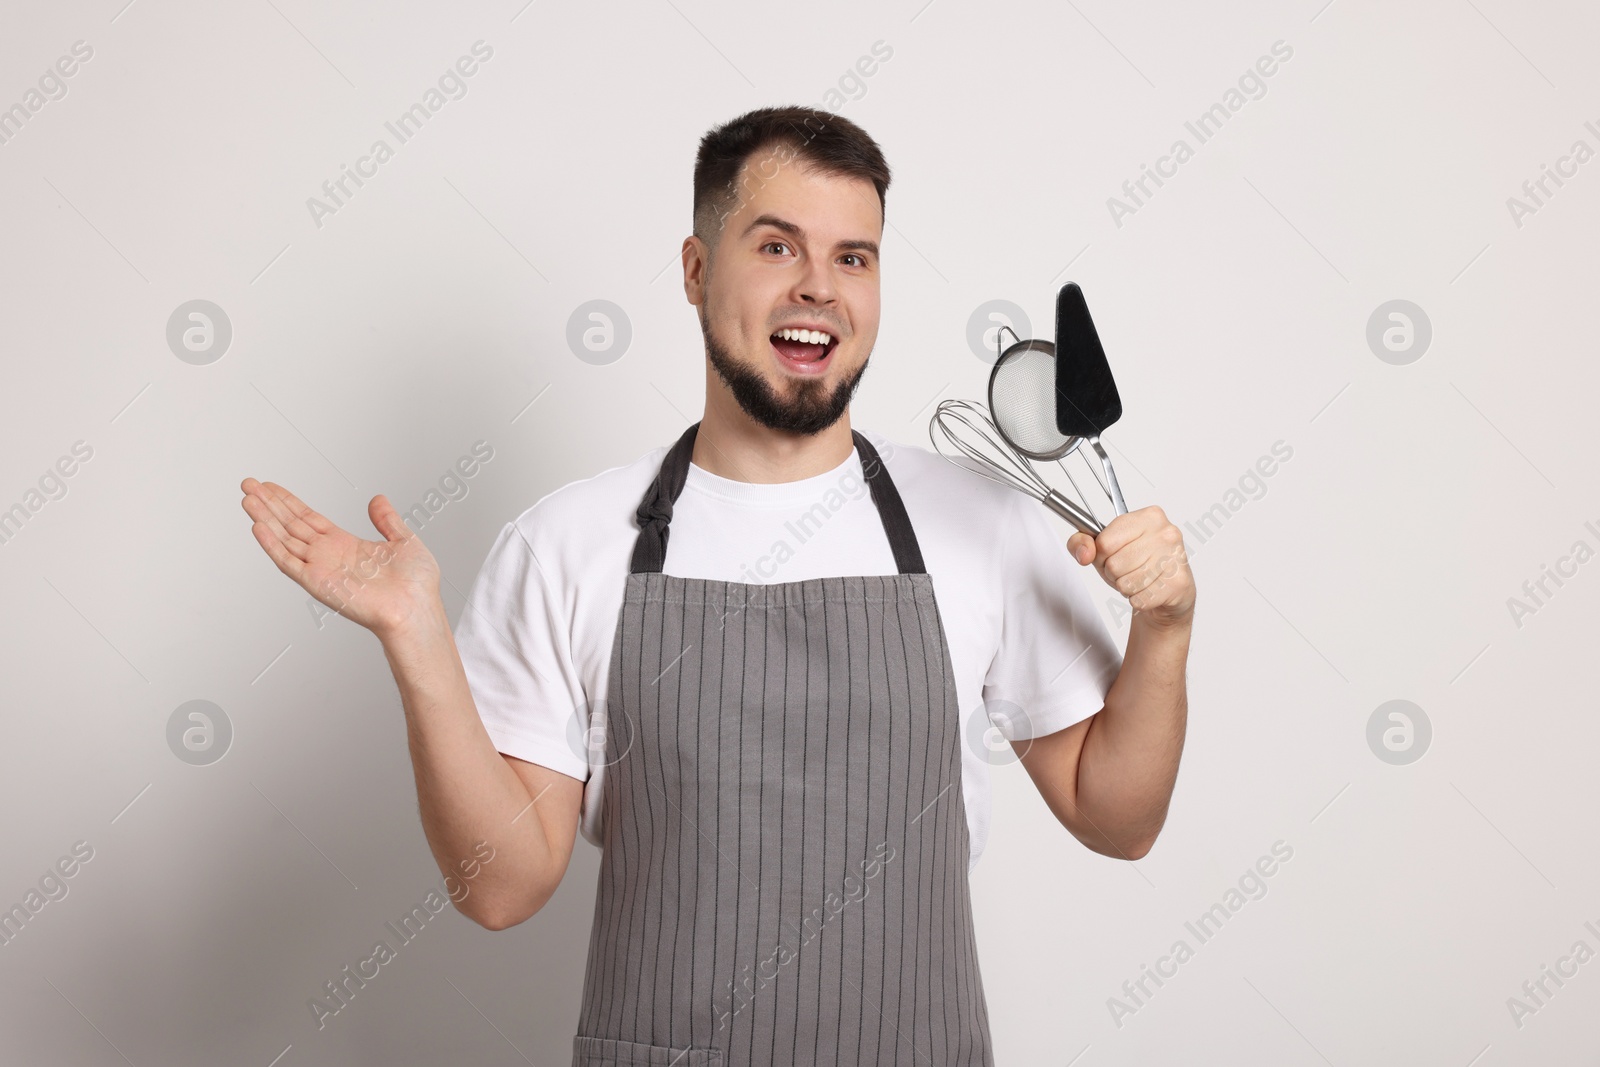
<point>775,244</point>
<point>858,259</point>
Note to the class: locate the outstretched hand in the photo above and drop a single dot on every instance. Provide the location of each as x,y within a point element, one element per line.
<point>381,585</point>
<point>1140,555</point>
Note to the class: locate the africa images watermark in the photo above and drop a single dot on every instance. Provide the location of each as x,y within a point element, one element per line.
<point>451,85</point>
<point>1205,126</point>
<point>809,522</point>
<point>851,85</point>
<point>349,583</point>
<point>340,991</point>
<point>52,887</point>
<point>452,486</point>
<point>1536,992</point>
<point>52,486</point>
<point>1252,885</point>
<point>742,990</point>
<point>1531,201</point>
<point>1252,485</point>
<point>1579,554</point>
<point>52,86</point>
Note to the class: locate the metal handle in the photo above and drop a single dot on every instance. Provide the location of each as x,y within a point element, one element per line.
<point>1111,475</point>
<point>1069,510</point>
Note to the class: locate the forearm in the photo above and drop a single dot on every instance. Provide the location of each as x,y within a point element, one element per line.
<point>1129,761</point>
<point>466,792</point>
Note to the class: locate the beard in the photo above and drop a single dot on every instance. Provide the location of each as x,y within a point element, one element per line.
<point>810,407</point>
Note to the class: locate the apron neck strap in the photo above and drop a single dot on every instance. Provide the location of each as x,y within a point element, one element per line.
<point>654,515</point>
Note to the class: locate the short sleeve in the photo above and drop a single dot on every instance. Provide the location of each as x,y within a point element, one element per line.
<point>1056,658</point>
<point>516,651</point>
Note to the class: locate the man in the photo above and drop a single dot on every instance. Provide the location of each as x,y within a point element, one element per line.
<point>767,720</point>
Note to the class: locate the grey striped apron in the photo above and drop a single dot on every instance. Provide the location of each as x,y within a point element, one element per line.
<point>783,878</point>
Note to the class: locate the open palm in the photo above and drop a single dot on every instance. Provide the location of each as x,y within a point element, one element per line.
<point>382,585</point>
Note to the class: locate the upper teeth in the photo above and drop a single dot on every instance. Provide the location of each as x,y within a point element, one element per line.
<point>811,337</point>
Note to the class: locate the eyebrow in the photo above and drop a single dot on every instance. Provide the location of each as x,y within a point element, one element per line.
<point>800,235</point>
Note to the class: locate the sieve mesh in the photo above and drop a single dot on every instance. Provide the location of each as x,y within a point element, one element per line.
<point>1022,393</point>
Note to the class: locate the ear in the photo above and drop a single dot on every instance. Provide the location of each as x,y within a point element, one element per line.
<point>696,261</point>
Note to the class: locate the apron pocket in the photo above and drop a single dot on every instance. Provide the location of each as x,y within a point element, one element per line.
<point>607,1052</point>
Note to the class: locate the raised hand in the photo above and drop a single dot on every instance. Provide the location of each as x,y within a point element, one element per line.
<point>381,585</point>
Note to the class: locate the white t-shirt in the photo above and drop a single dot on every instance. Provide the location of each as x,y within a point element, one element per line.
<point>1031,654</point>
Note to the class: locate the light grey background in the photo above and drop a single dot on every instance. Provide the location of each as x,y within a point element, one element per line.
<point>431,311</point>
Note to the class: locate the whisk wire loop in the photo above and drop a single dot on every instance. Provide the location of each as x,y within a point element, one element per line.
<point>968,428</point>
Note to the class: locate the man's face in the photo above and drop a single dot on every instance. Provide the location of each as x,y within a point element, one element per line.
<point>800,250</point>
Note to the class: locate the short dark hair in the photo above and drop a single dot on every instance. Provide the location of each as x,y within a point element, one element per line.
<point>826,141</point>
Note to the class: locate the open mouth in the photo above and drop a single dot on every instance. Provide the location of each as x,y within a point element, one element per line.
<point>804,351</point>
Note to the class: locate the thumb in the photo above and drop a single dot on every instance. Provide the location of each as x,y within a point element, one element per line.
<point>1081,545</point>
<point>386,519</point>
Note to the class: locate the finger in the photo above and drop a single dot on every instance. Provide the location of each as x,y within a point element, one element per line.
<point>1157,568</point>
<point>281,517</point>
<point>1120,532</point>
<point>1130,554</point>
<point>256,506</point>
<point>387,520</point>
<point>1081,547</point>
<point>300,511</point>
<point>1143,564</point>
<point>292,517</point>
<point>1147,526</point>
<point>1123,570</point>
<point>1124,529</point>
<point>286,561</point>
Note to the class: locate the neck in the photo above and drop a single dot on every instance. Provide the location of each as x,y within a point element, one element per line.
<point>732,445</point>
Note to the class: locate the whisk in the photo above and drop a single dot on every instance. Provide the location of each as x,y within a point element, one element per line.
<point>1038,393</point>
<point>967,427</point>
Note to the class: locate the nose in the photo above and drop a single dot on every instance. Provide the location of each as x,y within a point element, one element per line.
<point>815,284</point>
